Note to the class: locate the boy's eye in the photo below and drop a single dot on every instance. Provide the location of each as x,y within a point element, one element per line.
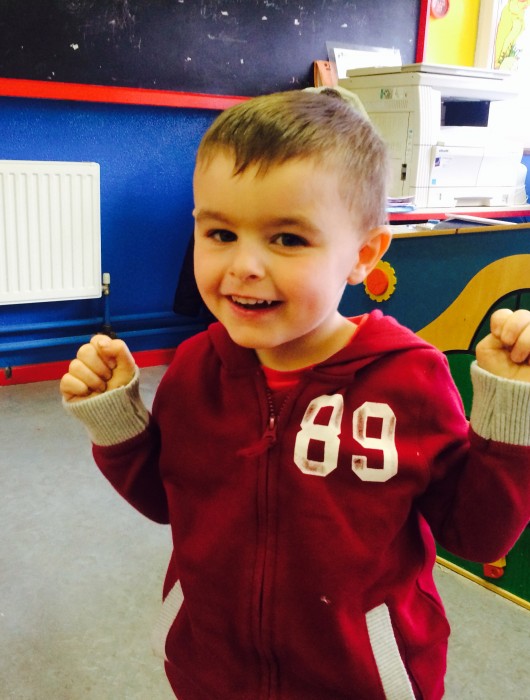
<point>290,240</point>
<point>223,236</point>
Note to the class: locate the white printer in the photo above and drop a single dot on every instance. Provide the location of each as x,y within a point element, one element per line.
<point>445,149</point>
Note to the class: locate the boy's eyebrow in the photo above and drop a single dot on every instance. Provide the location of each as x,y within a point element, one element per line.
<point>278,222</point>
<point>288,221</point>
<point>200,214</point>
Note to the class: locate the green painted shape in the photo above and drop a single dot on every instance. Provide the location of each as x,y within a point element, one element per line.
<point>459,364</point>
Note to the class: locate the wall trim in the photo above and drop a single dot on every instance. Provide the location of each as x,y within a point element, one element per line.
<point>14,87</point>
<point>28,374</point>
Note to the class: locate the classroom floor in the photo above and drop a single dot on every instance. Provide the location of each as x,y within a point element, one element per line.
<point>81,575</point>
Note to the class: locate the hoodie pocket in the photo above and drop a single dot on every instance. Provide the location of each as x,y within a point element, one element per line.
<point>168,614</point>
<point>392,671</point>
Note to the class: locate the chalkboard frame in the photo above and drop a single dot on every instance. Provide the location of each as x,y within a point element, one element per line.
<point>15,87</point>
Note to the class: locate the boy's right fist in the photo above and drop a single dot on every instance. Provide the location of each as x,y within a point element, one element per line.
<point>100,365</point>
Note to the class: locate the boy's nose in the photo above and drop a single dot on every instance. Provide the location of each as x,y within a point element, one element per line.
<point>247,263</point>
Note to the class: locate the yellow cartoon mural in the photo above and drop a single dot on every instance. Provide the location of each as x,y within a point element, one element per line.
<point>510,27</point>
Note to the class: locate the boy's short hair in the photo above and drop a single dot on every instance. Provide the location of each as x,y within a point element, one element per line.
<point>271,129</point>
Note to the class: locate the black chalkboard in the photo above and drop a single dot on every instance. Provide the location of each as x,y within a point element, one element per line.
<point>234,47</point>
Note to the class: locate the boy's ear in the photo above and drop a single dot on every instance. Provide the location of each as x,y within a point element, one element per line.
<point>375,246</point>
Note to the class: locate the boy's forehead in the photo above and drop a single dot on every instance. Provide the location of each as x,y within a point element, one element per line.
<point>297,191</point>
<point>226,159</point>
<point>215,158</point>
<point>218,176</point>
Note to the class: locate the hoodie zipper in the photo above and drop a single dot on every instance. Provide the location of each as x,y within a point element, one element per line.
<point>269,436</point>
<point>259,449</point>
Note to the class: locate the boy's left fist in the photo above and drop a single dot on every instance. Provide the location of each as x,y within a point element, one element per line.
<point>506,350</point>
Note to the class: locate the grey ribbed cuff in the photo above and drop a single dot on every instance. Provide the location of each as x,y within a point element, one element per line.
<point>114,416</point>
<point>501,408</point>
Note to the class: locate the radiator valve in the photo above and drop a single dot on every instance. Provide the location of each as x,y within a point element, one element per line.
<point>105,287</point>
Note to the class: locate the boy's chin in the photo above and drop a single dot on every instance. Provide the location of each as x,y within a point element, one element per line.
<point>245,341</point>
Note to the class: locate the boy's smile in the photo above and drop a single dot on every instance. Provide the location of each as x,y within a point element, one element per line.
<point>273,253</point>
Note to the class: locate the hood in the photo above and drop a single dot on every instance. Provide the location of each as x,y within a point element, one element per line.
<point>378,335</point>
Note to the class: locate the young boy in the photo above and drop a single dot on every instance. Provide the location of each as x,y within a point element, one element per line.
<point>306,461</point>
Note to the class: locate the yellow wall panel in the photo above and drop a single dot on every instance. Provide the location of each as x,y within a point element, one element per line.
<point>451,39</point>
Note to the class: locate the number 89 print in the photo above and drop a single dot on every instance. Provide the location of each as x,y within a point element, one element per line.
<point>328,435</point>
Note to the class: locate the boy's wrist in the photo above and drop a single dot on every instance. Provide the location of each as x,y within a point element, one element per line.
<point>113,417</point>
<point>501,408</point>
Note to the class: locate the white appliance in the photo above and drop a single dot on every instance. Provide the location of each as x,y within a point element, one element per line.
<point>448,146</point>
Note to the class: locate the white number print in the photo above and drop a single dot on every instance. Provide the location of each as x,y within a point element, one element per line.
<point>328,436</point>
<point>386,442</point>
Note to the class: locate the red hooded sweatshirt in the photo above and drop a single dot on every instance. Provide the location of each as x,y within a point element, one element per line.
<point>304,537</point>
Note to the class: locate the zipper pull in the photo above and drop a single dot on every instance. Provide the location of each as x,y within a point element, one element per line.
<point>266,441</point>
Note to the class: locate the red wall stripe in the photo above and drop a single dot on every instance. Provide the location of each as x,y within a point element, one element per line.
<point>13,87</point>
<point>28,374</point>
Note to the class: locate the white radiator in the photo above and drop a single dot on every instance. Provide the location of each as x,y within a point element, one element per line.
<point>50,231</point>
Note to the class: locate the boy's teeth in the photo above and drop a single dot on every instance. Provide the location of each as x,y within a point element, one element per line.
<point>250,302</point>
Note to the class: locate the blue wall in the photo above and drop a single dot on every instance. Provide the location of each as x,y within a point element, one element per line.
<point>146,156</point>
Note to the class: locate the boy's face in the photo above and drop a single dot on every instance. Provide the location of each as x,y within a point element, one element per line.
<point>273,253</point>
